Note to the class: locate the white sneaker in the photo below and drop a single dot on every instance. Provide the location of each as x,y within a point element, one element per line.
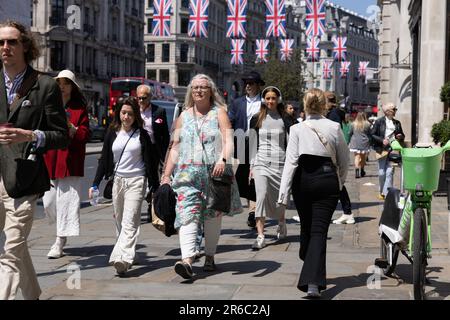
<point>313,291</point>
<point>296,218</point>
<point>345,219</point>
<point>281,231</point>
<point>259,243</point>
<point>56,251</point>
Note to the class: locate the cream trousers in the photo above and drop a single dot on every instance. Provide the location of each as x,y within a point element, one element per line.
<point>62,204</point>
<point>188,235</point>
<point>16,268</point>
<point>128,194</point>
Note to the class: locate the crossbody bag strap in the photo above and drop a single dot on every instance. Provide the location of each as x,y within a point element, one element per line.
<point>121,154</point>
<point>23,90</point>
<point>197,130</point>
<point>324,141</point>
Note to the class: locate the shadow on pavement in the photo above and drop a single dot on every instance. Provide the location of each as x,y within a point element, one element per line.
<point>343,283</point>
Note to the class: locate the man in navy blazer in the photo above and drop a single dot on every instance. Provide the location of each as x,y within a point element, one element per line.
<point>241,112</point>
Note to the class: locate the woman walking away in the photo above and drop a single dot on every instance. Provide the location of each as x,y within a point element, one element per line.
<point>66,167</point>
<point>271,127</point>
<point>360,143</point>
<point>202,141</point>
<point>129,156</point>
<point>316,165</point>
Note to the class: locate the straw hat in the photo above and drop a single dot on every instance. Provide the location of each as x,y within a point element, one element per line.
<point>68,75</point>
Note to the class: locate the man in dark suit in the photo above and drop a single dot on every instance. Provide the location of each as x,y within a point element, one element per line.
<point>31,104</point>
<point>241,112</point>
<point>155,121</point>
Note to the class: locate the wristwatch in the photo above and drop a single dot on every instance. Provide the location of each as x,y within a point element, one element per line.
<point>33,136</point>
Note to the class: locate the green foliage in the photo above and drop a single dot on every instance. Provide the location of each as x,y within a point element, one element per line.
<point>445,92</point>
<point>440,132</point>
<point>287,76</point>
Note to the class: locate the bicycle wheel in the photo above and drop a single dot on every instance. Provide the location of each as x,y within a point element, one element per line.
<point>419,254</point>
<point>383,251</point>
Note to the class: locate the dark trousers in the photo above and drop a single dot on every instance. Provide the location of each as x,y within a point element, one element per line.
<point>315,192</point>
<point>345,201</point>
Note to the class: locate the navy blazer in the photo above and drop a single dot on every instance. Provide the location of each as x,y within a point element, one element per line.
<point>238,114</point>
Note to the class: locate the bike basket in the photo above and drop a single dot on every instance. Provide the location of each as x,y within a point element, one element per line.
<point>421,166</point>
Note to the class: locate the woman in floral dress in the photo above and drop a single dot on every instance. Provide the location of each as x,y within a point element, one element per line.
<point>204,118</point>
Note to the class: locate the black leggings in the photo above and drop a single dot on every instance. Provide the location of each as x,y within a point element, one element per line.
<point>315,192</point>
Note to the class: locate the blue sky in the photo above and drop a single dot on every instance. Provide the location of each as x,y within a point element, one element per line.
<point>360,6</point>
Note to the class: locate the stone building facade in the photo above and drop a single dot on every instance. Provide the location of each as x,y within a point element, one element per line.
<point>414,62</point>
<point>106,42</point>
<point>177,58</point>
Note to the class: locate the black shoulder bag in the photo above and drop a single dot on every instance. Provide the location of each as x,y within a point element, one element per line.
<point>107,192</point>
<point>218,196</point>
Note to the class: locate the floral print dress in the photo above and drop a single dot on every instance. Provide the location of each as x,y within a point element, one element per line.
<point>191,173</point>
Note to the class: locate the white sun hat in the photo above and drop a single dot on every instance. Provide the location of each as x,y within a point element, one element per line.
<point>69,75</point>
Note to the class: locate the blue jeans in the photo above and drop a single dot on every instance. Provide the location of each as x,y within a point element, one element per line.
<point>385,175</point>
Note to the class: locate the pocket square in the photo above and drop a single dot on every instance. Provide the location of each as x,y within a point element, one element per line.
<point>26,103</point>
<point>159,120</point>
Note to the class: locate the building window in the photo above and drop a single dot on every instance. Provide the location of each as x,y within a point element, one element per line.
<point>58,55</point>
<point>184,76</point>
<point>151,52</point>
<point>86,20</point>
<point>165,52</point>
<point>151,74</point>
<point>76,58</point>
<point>58,10</point>
<point>149,25</point>
<point>184,25</point>
<point>184,51</point>
<point>164,75</point>
<point>185,4</point>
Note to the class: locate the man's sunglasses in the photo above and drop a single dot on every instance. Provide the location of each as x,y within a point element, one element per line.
<point>11,42</point>
<point>250,83</point>
<point>143,98</point>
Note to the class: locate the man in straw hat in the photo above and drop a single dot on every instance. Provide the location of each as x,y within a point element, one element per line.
<point>33,120</point>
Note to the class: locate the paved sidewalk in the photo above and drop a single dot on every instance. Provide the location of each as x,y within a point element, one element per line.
<point>271,273</point>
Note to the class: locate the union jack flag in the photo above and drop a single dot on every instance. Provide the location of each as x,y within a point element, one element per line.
<point>236,18</point>
<point>237,51</point>
<point>345,69</point>
<point>340,48</point>
<point>315,17</point>
<point>275,18</point>
<point>198,18</point>
<point>286,48</point>
<point>326,69</point>
<point>262,50</point>
<point>362,70</point>
<point>161,17</point>
<point>312,48</point>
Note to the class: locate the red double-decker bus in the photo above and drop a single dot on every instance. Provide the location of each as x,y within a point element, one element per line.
<point>127,86</point>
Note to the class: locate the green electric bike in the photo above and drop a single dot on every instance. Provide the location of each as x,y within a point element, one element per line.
<point>405,224</point>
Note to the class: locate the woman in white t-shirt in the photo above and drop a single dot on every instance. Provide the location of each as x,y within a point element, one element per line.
<point>130,157</point>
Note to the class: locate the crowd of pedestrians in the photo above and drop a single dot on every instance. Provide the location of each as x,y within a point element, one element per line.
<point>270,150</point>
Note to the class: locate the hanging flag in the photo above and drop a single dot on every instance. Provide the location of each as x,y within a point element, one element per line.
<point>275,18</point>
<point>161,17</point>
<point>236,18</point>
<point>326,69</point>
<point>286,49</point>
<point>362,70</point>
<point>315,17</point>
<point>262,50</point>
<point>340,48</point>
<point>312,48</point>
<point>345,69</point>
<point>198,18</point>
<point>237,51</point>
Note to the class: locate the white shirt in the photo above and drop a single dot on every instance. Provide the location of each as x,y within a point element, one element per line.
<point>390,128</point>
<point>147,117</point>
<point>132,163</point>
<point>253,107</point>
<point>303,140</point>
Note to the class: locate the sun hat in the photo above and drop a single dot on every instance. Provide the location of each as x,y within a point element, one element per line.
<point>68,75</point>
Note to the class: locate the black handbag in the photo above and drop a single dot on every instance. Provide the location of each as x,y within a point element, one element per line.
<point>107,192</point>
<point>218,195</point>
